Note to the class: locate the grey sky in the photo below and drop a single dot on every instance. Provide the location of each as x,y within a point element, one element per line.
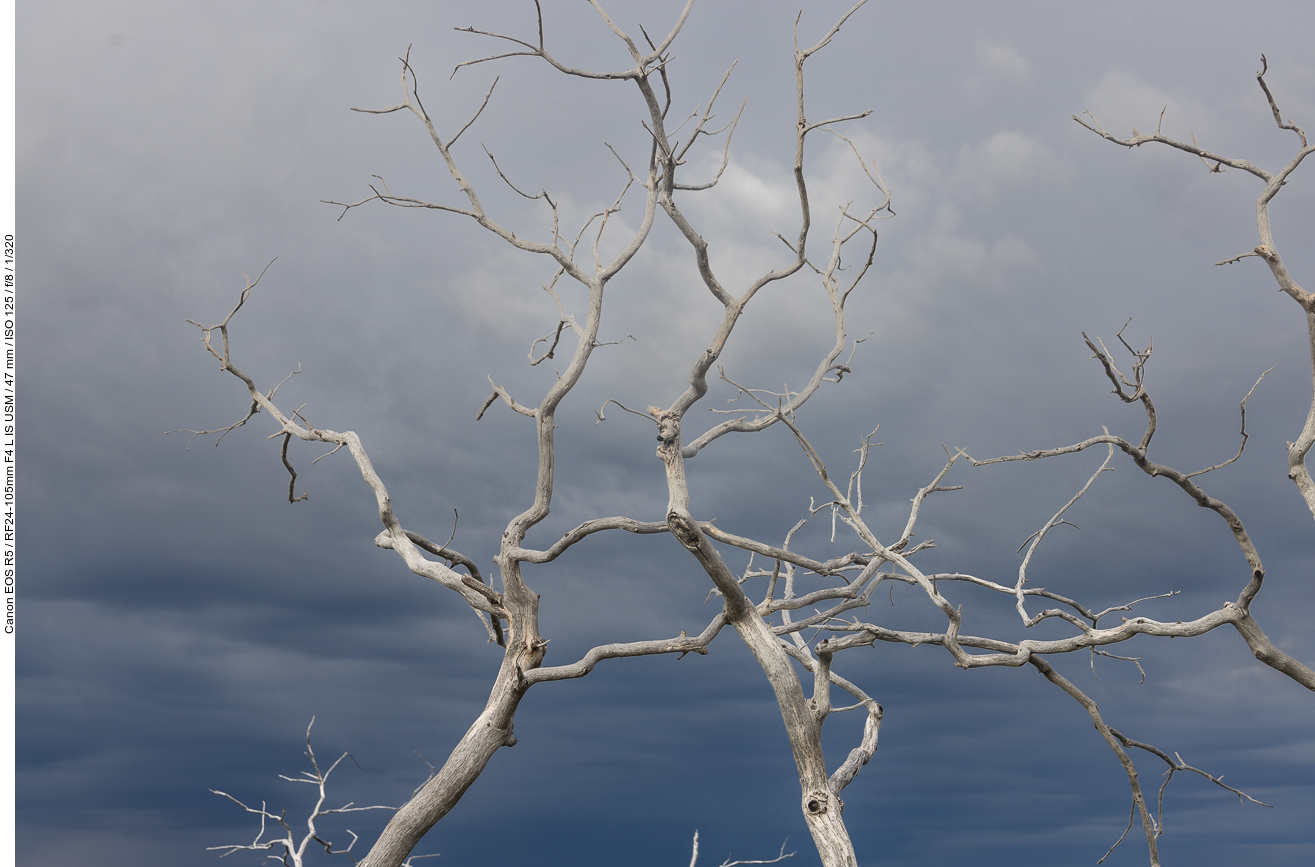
<point>181,622</point>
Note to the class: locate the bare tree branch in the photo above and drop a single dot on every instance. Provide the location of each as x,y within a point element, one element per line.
<point>1266,250</point>
<point>810,593</point>
<point>288,849</point>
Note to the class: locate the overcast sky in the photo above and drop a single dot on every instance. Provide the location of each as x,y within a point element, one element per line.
<point>180,622</point>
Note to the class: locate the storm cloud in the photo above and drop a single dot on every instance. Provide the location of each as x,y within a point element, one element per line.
<point>180,622</point>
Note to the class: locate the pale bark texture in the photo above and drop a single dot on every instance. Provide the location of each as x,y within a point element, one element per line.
<point>795,593</point>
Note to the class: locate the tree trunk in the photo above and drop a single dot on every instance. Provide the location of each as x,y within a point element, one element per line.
<point>490,731</point>
<point>821,807</point>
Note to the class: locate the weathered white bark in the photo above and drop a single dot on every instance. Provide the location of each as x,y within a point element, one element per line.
<point>491,731</point>
<point>288,850</point>
<point>1299,448</point>
<point>768,627</point>
<point>821,808</point>
<point>803,719</point>
<point>1267,250</point>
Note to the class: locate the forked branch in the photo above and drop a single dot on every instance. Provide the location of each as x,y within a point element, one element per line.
<point>289,850</point>
<point>1267,250</point>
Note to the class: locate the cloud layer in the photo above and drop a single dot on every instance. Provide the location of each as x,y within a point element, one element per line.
<point>181,623</point>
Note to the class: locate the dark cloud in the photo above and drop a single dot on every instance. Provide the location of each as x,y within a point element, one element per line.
<point>181,623</point>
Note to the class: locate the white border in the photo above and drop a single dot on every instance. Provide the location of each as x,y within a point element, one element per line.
<point>8,58</point>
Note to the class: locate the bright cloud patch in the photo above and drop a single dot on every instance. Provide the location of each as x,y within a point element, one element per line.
<point>1007,159</point>
<point>997,65</point>
<point>1121,102</point>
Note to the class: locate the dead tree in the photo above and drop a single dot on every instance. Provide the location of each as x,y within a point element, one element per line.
<point>793,592</point>
<point>1266,249</point>
<point>288,850</point>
